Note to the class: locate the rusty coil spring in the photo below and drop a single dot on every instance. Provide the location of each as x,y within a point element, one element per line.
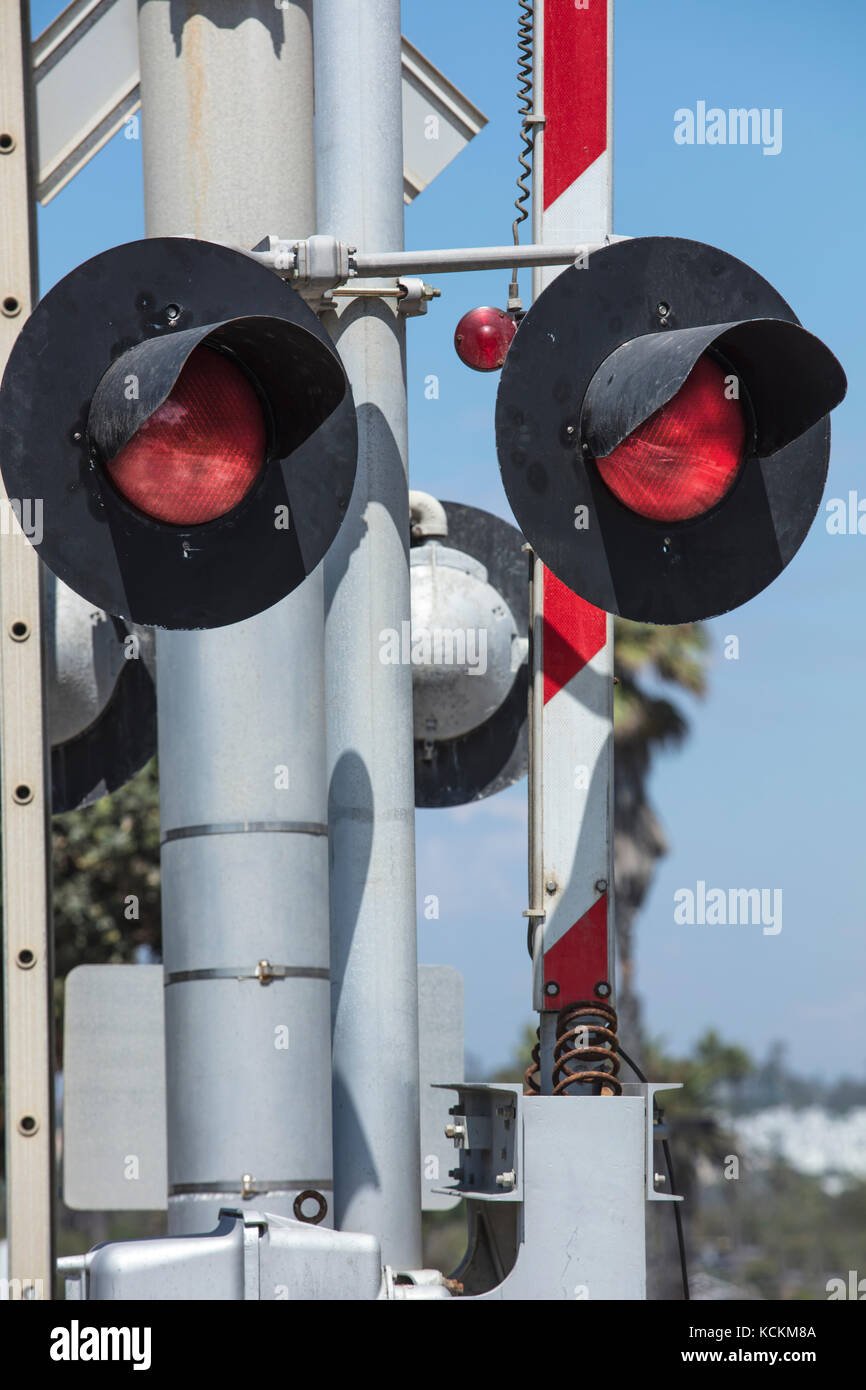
<point>531,1077</point>
<point>586,1048</point>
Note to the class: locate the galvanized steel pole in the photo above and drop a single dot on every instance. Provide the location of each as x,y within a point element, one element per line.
<point>359,171</point>
<point>227,93</point>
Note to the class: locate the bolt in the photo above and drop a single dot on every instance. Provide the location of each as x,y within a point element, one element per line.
<point>659,1177</point>
<point>551,987</point>
<point>663,310</point>
<point>455,1131</point>
<point>569,429</point>
<point>456,1173</point>
<point>551,885</point>
<point>506,1179</point>
<point>601,885</point>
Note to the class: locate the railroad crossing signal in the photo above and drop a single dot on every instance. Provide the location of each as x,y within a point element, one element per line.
<point>189,427</point>
<point>663,430</point>
<point>469,592</point>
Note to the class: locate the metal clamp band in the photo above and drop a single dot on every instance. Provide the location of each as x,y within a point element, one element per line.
<point>246,827</point>
<point>264,973</point>
<point>248,1186</point>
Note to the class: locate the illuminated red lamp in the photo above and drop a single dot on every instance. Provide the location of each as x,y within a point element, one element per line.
<point>197,456</point>
<point>483,337</point>
<point>684,459</point>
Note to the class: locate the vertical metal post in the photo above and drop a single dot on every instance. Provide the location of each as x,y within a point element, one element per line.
<point>28,1003</point>
<point>535,779</point>
<point>359,171</point>
<point>227,97</point>
<point>571,721</point>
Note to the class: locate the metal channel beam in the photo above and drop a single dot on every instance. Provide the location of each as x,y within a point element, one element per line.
<point>24,795</point>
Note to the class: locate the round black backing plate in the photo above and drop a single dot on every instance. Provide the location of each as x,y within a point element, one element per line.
<point>659,572</point>
<point>491,757</point>
<point>122,561</point>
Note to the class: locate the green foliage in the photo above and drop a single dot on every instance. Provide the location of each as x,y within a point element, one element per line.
<point>779,1231</point>
<point>106,876</point>
<point>713,1065</point>
<point>675,655</point>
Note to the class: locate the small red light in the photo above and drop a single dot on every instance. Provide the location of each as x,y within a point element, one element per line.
<point>200,452</point>
<point>482,338</point>
<point>684,459</point>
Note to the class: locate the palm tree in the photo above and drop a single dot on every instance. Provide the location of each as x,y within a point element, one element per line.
<point>644,724</point>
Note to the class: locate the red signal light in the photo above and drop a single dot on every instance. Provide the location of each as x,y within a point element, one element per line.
<point>684,459</point>
<point>200,452</point>
<point>482,338</point>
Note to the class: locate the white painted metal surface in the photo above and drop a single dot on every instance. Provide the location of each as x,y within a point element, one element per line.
<point>114,1153</point>
<point>583,1201</point>
<point>86,75</point>
<point>251,1255</point>
<point>438,121</point>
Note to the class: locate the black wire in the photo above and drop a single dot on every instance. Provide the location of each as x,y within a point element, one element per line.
<point>684,1269</point>
<point>525,77</point>
<point>678,1220</point>
<point>634,1066</point>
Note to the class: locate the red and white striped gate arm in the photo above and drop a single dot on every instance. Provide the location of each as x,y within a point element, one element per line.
<point>571,745</point>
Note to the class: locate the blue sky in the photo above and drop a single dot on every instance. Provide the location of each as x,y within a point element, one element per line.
<point>768,791</point>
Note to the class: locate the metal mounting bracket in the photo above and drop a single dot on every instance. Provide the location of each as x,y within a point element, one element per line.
<point>652,1087</point>
<point>489,1140</point>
